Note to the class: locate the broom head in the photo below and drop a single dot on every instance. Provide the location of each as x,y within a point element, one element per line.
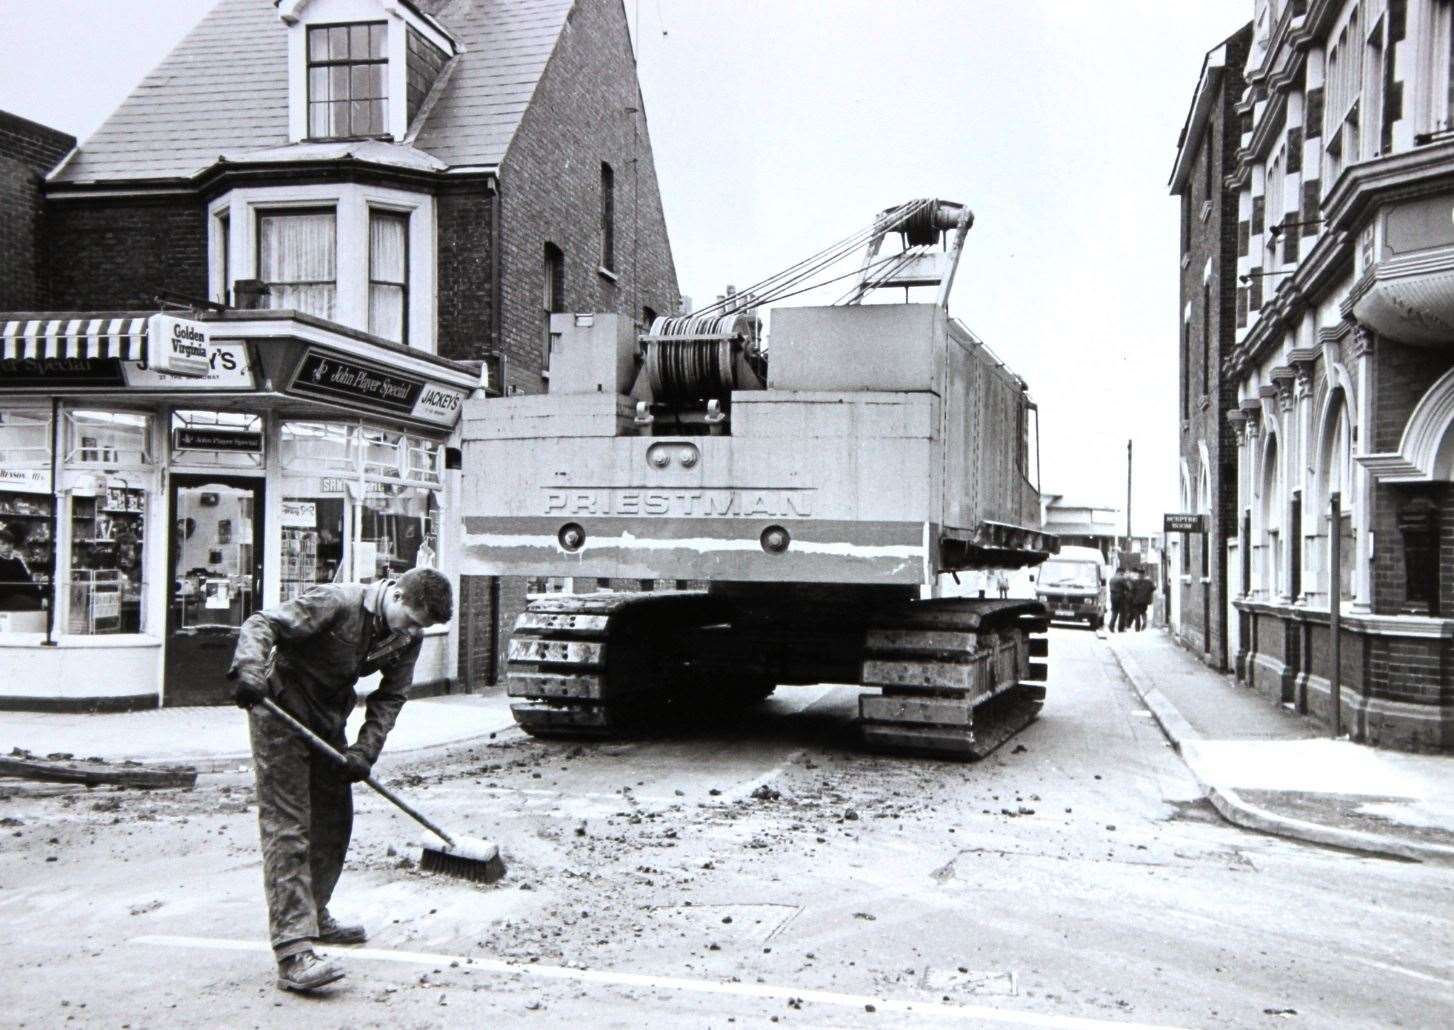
<point>469,858</point>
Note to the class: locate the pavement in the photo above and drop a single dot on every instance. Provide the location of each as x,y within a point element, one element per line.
<point>215,739</point>
<point>1267,768</point>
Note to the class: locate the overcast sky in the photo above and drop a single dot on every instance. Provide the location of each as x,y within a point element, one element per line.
<point>779,127</point>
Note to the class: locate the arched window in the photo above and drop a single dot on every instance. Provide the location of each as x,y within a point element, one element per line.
<point>1335,475</point>
<point>1204,506</point>
<point>1269,500</point>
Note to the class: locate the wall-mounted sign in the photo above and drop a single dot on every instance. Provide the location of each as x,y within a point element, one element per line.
<point>53,373</point>
<point>327,377</point>
<point>25,481</point>
<point>439,404</point>
<point>300,515</point>
<point>1183,523</point>
<point>228,368</point>
<point>178,345</point>
<point>217,440</point>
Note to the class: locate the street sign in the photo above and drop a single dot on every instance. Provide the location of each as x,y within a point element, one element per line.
<point>1181,523</point>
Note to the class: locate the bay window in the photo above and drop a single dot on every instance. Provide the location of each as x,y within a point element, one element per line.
<point>297,256</point>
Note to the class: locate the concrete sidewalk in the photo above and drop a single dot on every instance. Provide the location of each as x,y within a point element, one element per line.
<point>215,739</point>
<point>1271,770</point>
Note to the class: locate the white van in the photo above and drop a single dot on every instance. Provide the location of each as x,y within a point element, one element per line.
<point>1072,586</point>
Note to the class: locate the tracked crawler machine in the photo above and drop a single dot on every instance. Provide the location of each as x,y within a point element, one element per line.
<point>814,486</point>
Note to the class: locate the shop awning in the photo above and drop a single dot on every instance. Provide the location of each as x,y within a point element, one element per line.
<point>121,336</point>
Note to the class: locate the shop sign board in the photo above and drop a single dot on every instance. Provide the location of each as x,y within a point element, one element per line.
<point>178,346</point>
<point>25,481</point>
<point>300,515</point>
<point>55,373</point>
<point>1183,523</point>
<point>327,377</point>
<point>217,440</point>
<point>228,368</point>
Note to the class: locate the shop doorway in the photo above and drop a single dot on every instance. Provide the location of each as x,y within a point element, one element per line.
<point>215,576</point>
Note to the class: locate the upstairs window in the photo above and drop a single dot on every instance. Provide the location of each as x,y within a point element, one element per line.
<point>553,295</point>
<point>297,256</point>
<point>347,80</point>
<point>389,275</point>
<point>608,218</point>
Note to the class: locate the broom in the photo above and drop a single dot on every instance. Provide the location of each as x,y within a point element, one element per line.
<point>469,858</point>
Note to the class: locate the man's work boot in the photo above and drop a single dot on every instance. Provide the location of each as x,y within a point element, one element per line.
<point>306,972</point>
<point>331,931</point>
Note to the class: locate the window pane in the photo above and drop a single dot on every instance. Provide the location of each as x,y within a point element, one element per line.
<point>374,87</point>
<point>318,84</point>
<point>312,550</point>
<point>361,82</point>
<point>105,580</point>
<point>377,117</point>
<point>338,78</point>
<point>26,553</point>
<point>317,44</point>
<point>398,529</point>
<point>311,298</point>
<point>387,234</point>
<point>386,311</point>
<point>297,247</point>
<point>358,41</point>
<point>377,37</point>
<point>338,118</point>
<point>338,43</point>
<point>318,120</point>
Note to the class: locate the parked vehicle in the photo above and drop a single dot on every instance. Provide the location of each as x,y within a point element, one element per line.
<point>814,495</point>
<point>1072,586</point>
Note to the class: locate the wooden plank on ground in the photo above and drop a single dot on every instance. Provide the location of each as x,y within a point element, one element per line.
<point>98,773</point>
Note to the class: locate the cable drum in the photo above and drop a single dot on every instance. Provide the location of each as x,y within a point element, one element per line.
<point>703,357</point>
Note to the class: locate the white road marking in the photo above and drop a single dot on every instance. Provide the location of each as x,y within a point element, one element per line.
<point>679,983</point>
<point>1441,980</point>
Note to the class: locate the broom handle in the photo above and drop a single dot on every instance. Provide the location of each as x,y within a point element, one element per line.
<point>323,747</point>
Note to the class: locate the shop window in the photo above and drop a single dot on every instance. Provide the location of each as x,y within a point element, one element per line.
<point>317,448</point>
<point>27,556</point>
<point>217,439</point>
<point>297,256</point>
<point>347,80</point>
<point>389,275</point>
<point>105,584</point>
<point>398,531</point>
<point>113,439</point>
<point>313,533</point>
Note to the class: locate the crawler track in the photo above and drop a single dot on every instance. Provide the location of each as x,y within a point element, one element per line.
<point>955,677</point>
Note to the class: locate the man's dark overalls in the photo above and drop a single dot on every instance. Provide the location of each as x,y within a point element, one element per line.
<point>311,651</point>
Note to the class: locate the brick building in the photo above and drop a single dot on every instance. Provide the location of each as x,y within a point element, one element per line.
<point>1343,365</point>
<point>1205,153</point>
<point>27,152</point>
<point>237,324</point>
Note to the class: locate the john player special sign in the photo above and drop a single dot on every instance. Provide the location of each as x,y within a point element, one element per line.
<point>328,377</point>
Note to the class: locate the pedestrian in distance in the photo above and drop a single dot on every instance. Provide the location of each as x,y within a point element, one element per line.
<point>1142,592</point>
<point>1119,591</point>
<point>307,655</point>
<point>1002,583</point>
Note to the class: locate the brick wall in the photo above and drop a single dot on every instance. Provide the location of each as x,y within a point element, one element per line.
<point>27,152</point>
<point>116,254</point>
<point>1213,328</point>
<point>586,110</point>
<point>1402,376</point>
<point>466,275</point>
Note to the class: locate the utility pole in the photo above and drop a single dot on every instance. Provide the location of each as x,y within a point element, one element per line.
<point>1128,495</point>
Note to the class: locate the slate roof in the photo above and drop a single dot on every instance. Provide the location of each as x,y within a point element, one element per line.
<point>224,90</point>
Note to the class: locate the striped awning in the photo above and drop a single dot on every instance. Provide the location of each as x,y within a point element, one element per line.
<point>121,337</point>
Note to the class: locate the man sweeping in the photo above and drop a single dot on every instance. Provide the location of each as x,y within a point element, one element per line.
<point>306,655</point>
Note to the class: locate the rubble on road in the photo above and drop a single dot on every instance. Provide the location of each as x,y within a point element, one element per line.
<point>62,767</point>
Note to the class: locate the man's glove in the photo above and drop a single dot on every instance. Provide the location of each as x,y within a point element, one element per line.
<point>359,765</point>
<point>248,692</point>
